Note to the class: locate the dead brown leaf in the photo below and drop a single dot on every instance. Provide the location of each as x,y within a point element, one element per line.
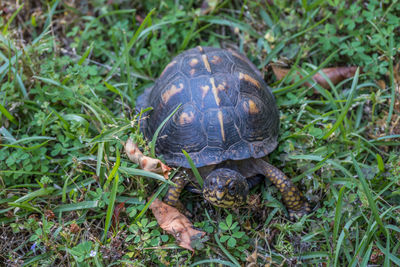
<point>146,163</point>
<point>116,213</point>
<point>175,223</point>
<point>336,75</point>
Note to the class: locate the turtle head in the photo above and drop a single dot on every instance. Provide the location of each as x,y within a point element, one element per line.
<point>225,188</point>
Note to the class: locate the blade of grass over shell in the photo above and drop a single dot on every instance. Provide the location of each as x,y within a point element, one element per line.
<point>155,136</point>
<point>346,107</point>
<point>367,191</point>
<point>110,208</point>
<point>194,169</point>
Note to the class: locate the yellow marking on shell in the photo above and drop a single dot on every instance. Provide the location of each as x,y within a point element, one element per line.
<point>220,194</point>
<point>216,60</point>
<point>186,118</point>
<point>248,78</point>
<point>193,62</point>
<point>168,66</point>
<point>253,109</point>
<point>170,92</point>
<point>290,193</point>
<point>221,124</point>
<point>200,49</point>
<point>206,63</point>
<point>215,91</point>
<point>204,90</point>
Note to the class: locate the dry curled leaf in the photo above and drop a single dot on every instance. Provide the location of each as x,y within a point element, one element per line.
<point>175,223</point>
<point>336,75</point>
<point>146,163</point>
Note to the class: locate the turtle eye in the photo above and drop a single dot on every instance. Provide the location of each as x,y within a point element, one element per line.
<point>232,188</point>
<point>213,181</point>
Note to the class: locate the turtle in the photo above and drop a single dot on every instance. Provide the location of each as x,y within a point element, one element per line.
<point>227,121</point>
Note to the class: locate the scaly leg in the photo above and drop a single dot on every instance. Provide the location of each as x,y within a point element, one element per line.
<point>173,193</point>
<point>292,197</point>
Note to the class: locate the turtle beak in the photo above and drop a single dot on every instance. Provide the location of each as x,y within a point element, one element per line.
<point>220,194</point>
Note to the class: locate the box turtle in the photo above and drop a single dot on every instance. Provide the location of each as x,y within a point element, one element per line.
<point>228,122</point>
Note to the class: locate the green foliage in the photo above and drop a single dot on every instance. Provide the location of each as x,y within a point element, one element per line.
<point>235,239</point>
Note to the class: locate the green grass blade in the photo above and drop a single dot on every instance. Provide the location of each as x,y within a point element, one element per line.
<point>226,252</point>
<point>131,43</point>
<point>146,207</point>
<point>100,153</point>
<point>367,191</point>
<point>286,89</point>
<point>219,262</point>
<point>113,171</point>
<point>338,214</point>
<point>346,107</point>
<point>138,172</point>
<point>392,82</point>
<point>34,194</point>
<point>194,169</point>
<point>84,205</point>
<point>8,115</point>
<point>10,20</point>
<point>86,54</point>
<point>110,208</point>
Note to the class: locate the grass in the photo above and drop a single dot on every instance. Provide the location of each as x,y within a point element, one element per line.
<point>71,72</point>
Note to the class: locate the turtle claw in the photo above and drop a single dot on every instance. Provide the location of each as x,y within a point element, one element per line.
<point>294,215</point>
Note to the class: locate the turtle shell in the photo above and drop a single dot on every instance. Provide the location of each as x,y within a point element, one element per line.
<point>227,111</point>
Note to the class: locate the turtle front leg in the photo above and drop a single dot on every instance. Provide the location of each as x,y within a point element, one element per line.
<point>173,193</point>
<point>292,197</point>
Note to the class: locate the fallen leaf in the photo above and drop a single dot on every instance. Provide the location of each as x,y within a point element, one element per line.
<point>115,216</point>
<point>175,223</point>
<point>146,163</point>
<point>336,75</point>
